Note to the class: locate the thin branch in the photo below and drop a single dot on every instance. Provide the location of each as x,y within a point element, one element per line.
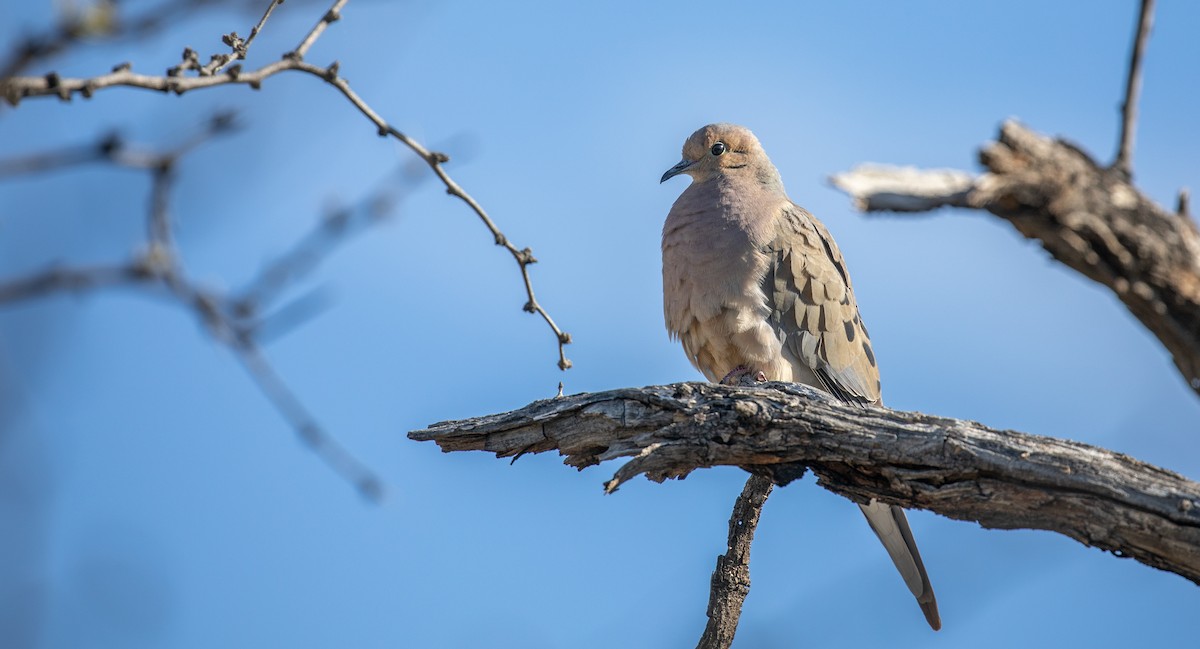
<point>71,280</point>
<point>225,328</point>
<point>159,266</point>
<point>112,148</point>
<point>956,468</point>
<point>268,327</point>
<point>731,577</point>
<point>1133,85</point>
<point>158,223</point>
<point>257,29</point>
<point>237,45</point>
<point>102,22</point>
<point>314,246</point>
<point>18,88</point>
<point>295,263</point>
<point>163,271</point>
<point>47,161</point>
<point>309,430</point>
<point>524,257</point>
<point>331,16</point>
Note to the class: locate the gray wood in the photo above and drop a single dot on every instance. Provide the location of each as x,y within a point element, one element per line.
<point>731,578</point>
<point>960,469</point>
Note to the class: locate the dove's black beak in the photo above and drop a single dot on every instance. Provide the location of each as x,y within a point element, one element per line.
<point>676,170</point>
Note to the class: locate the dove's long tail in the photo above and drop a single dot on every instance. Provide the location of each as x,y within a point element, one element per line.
<point>891,526</point>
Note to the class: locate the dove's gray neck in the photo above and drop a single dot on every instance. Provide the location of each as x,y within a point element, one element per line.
<point>768,178</point>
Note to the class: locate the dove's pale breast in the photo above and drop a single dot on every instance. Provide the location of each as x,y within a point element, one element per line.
<point>715,258</point>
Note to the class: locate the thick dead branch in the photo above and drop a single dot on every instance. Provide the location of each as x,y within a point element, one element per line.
<point>1087,216</point>
<point>956,468</point>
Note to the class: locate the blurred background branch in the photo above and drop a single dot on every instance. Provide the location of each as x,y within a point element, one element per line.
<point>15,88</point>
<point>159,268</point>
<point>232,319</point>
<point>90,21</point>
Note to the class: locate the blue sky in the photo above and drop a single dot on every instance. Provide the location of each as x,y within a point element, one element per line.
<point>150,497</point>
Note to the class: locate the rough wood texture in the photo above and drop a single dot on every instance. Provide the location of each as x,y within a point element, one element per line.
<point>1085,215</point>
<point>956,468</point>
<point>731,577</point>
<point>876,188</point>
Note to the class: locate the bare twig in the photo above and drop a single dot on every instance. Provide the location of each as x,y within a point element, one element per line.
<point>158,224</point>
<point>310,431</point>
<point>731,577</point>
<point>237,45</point>
<point>331,16</point>
<point>267,327</point>
<point>1124,160</point>
<point>113,149</point>
<point>159,267</point>
<point>224,327</point>
<point>254,31</point>
<point>1182,205</point>
<point>330,231</point>
<point>57,280</point>
<point>957,468</point>
<point>19,88</point>
<point>62,158</point>
<point>102,21</point>
<point>162,168</point>
<point>64,88</point>
<point>524,257</point>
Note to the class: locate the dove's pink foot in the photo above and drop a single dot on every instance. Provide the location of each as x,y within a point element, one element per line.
<point>737,376</point>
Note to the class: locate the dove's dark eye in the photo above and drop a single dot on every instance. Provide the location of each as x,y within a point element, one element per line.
<point>718,148</point>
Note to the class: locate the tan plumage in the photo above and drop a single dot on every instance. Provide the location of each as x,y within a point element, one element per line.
<point>752,281</point>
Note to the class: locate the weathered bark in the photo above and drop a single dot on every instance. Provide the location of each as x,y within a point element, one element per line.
<point>956,468</point>
<point>1086,216</point>
<point>731,578</point>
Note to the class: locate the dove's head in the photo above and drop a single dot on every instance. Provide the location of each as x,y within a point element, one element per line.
<point>721,149</point>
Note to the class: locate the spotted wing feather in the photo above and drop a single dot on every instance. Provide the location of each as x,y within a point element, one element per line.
<point>814,311</point>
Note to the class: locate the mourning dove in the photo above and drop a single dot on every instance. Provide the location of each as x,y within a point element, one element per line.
<point>754,283</point>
